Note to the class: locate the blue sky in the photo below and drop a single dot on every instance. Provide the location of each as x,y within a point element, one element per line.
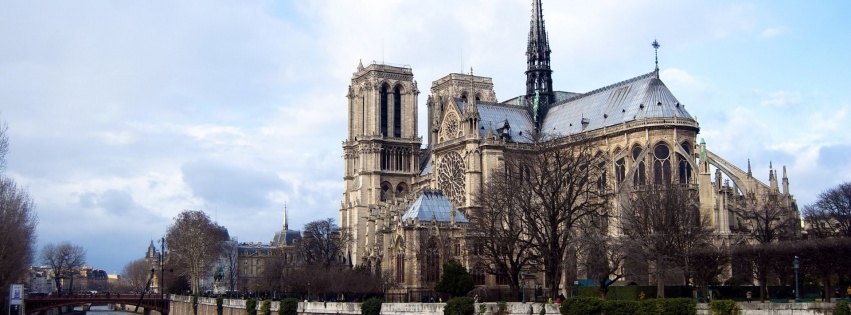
<point>122,114</point>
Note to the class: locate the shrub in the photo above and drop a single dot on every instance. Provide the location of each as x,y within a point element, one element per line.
<point>679,306</point>
<point>483,309</point>
<point>266,307</point>
<point>501,308</point>
<point>724,307</point>
<point>841,308</point>
<point>650,307</point>
<point>455,280</point>
<point>251,306</point>
<point>619,307</point>
<point>582,306</point>
<point>459,306</point>
<point>220,309</point>
<point>289,306</point>
<point>371,307</point>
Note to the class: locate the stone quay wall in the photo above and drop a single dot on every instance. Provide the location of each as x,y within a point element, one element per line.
<point>182,305</point>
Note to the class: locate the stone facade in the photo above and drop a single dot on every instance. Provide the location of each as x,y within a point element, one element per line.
<point>640,129</point>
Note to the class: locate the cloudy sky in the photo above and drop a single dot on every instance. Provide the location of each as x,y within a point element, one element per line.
<point>121,114</point>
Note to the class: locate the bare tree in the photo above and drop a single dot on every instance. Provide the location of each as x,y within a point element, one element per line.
<point>322,243</point>
<point>707,264</point>
<point>65,260</point>
<point>195,244</point>
<point>602,256</point>
<point>830,215</point>
<point>18,222</point>
<point>662,222</point>
<point>17,231</point>
<point>230,258</point>
<point>4,144</point>
<point>767,219</point>
<point>136,274</point>
<point>497,231</point>
<point>556,187</point>
<point>825,259</point>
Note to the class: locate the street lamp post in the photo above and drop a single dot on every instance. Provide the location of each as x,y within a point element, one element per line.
<point>796,263</point>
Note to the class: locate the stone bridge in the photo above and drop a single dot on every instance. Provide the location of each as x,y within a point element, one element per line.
<point>35,305</point>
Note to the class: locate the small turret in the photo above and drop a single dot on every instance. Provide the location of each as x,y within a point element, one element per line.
<point>785,182</point>
<point>750,173</point>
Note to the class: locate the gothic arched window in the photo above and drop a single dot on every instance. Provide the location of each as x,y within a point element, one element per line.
<point>684,166</point>
<point>640,177</point>
<point>431,268</point>
<point>383,100</point>
<point>661,164</point>
<point>397,112</point>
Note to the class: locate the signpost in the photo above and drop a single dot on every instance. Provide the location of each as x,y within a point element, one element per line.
<point>16,299</point>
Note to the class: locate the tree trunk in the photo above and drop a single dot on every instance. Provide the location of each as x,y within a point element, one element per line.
<point>660,283</point>
<point>827,288</point>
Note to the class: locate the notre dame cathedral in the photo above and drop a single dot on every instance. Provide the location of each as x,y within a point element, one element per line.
<point>406,205</point>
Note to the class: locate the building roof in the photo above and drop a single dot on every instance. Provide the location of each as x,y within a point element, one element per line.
<point>432,204</point>
<point>495,116</point>
<point>642,97</point>
<point>285,237</point>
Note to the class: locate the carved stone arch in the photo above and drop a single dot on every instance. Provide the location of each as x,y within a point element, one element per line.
<point>474,160</point>
<point>399,258</point>
<point>403,88</point>
<point>737,182</point>
<point>401,189</point>
<point>386,189</point>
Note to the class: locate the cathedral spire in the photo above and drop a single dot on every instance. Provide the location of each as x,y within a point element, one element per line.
<point>286,227</point>
<point>538,73</point>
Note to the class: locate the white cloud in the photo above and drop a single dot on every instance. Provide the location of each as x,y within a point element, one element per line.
<point>782,99</point>
<point>772,32</point>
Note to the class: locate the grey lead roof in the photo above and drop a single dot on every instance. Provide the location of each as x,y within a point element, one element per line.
<point>493,116</point>
<point>433,204</point>
<point>642,97</point>
<point>638,98</point>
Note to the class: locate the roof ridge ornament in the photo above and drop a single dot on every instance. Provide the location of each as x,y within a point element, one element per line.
<point>656,46</point>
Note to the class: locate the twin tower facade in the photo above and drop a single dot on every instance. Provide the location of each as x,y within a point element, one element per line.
<point>405,204</point>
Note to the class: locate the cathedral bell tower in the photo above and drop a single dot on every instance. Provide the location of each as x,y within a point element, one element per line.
<point>539,76</point>
<point>382,151</point>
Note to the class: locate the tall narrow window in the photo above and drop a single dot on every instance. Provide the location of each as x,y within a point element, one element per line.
<point>640,177</point>
<point>684,166</point>
<point>383,95</point>
<point>431,268</point>
<point>397,113</point>
<point>400,268</point>
<point>620,170</point>
<point>661,164</point>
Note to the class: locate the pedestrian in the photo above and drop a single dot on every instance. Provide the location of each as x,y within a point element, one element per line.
<point>748,296</point>
<point>848,292</point>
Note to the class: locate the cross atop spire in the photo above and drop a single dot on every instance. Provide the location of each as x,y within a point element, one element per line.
<point>656,46</point>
